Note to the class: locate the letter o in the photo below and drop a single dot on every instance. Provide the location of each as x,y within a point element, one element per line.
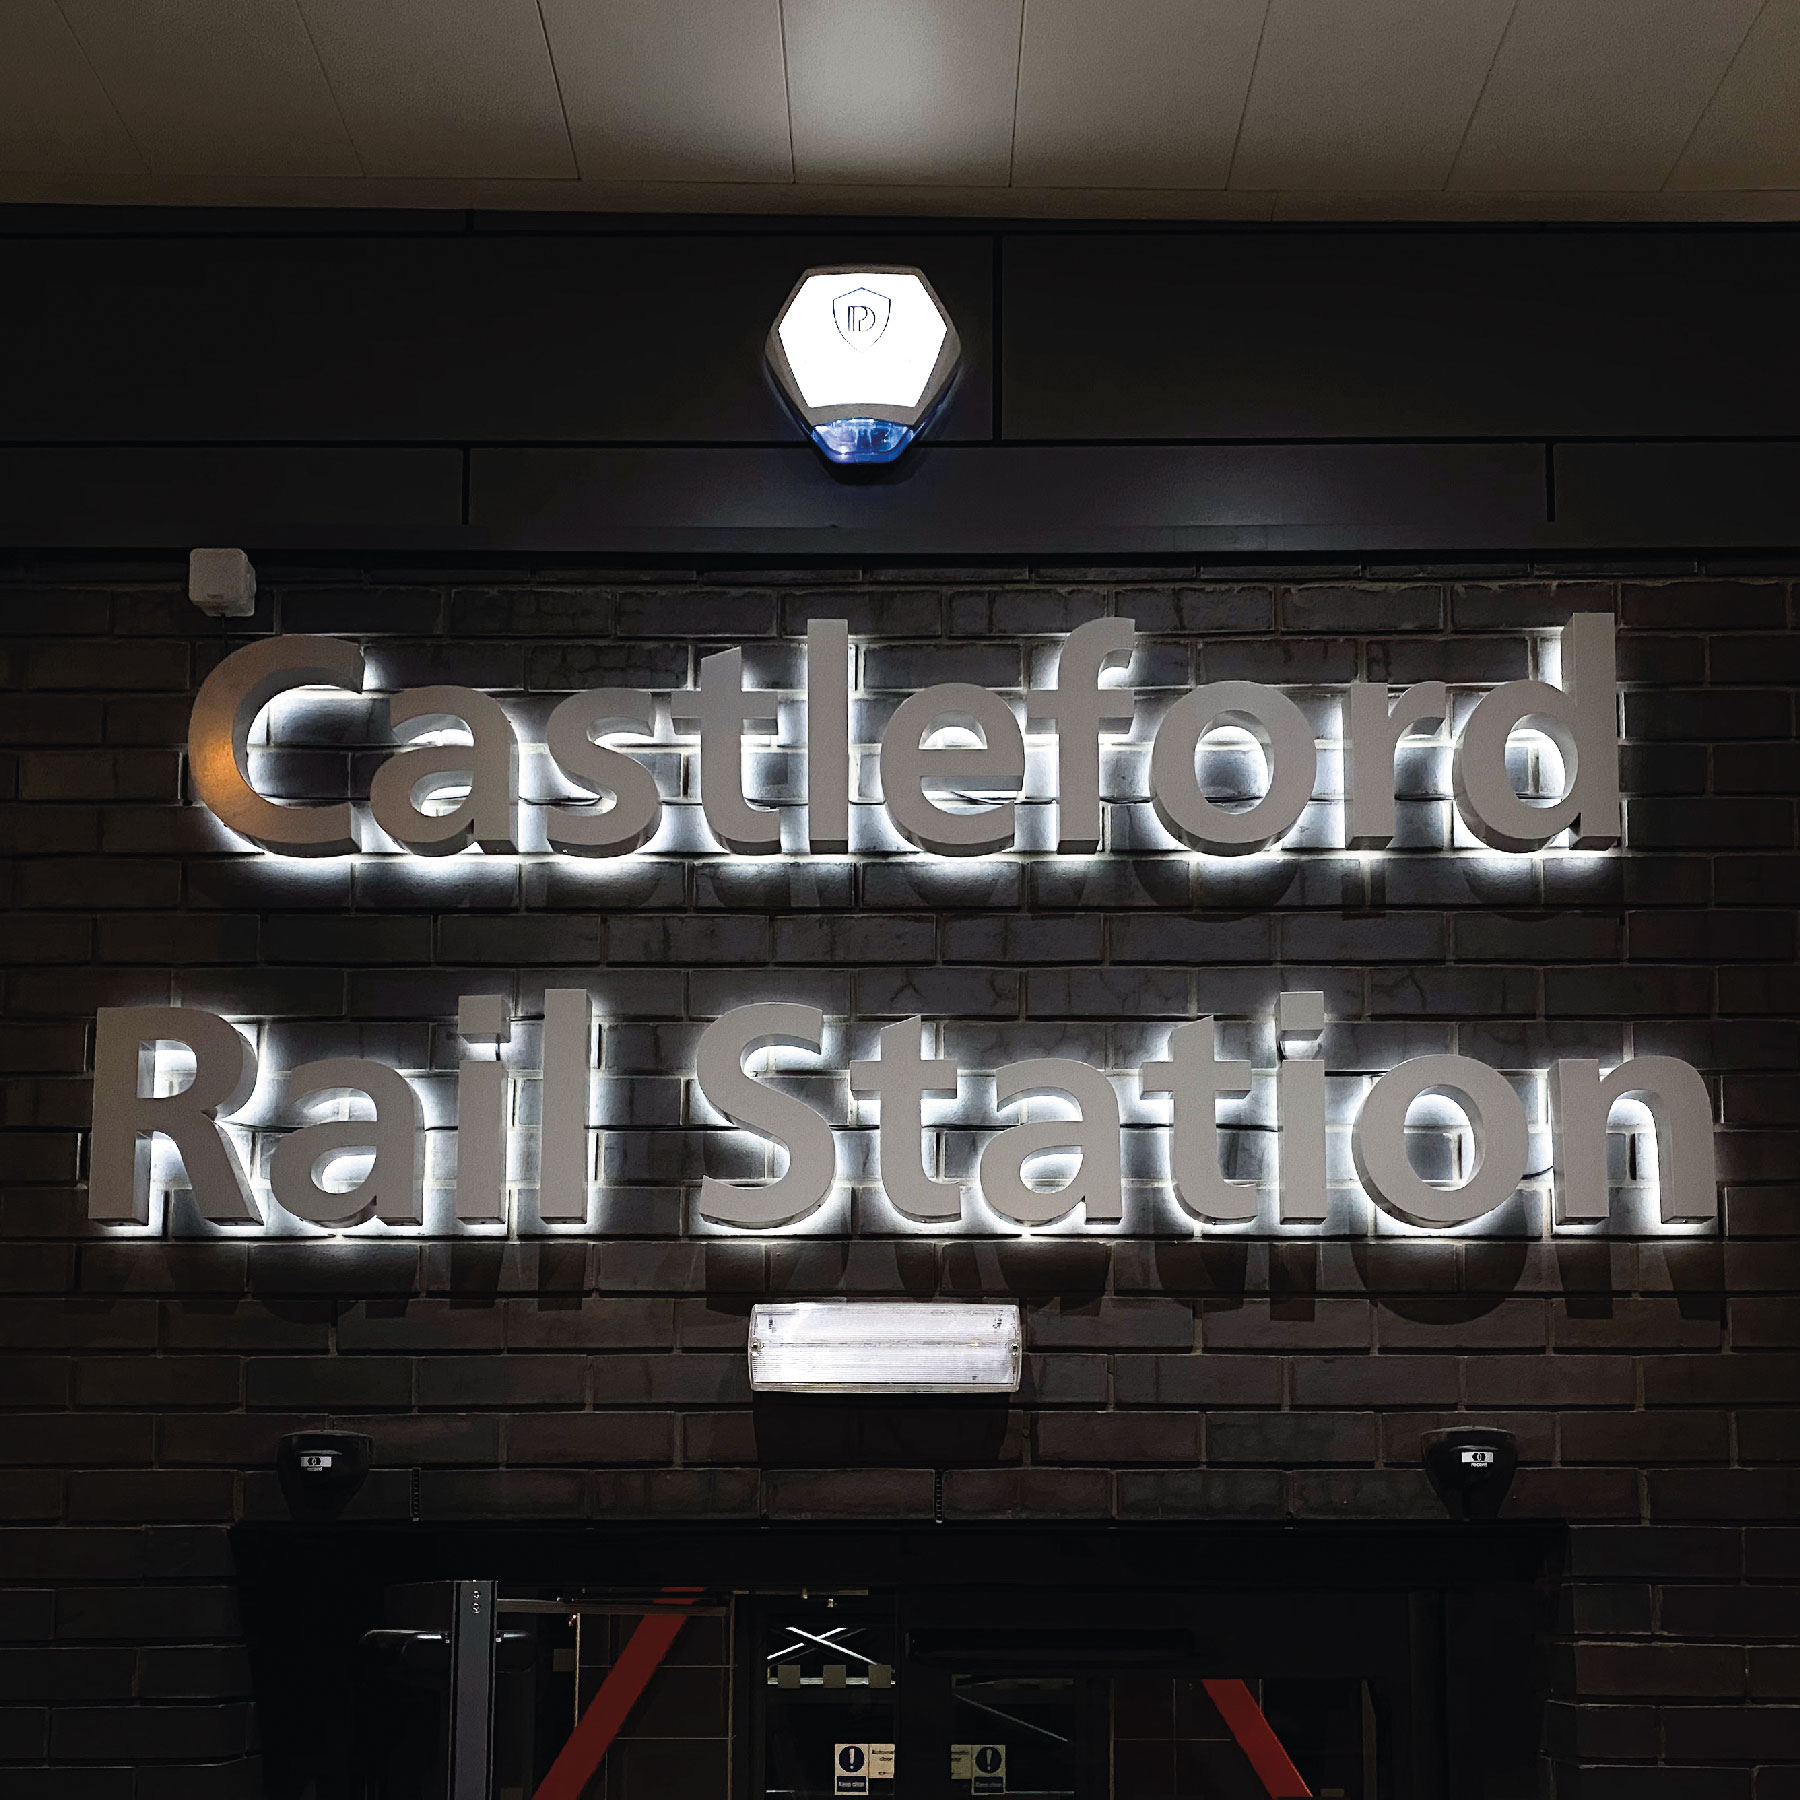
<point>1287,740</point>
<point>1495,1114</point>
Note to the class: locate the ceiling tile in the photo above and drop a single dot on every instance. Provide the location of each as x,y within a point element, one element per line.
<point>1750,136</point>
<point>55,118</point>
<point>673,90</point>
<point>1589,94</point>
<point>444,87</point>
<point>215,86</point>
<point>1375,95</point>
<point>1136,93</point>
<point>903,91</point>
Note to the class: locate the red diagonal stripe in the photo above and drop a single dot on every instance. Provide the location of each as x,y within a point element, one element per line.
<point>618,1694</point>
<point>1244,1719</point>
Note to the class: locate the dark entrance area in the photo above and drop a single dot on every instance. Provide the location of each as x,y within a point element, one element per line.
<point>797,1663</point>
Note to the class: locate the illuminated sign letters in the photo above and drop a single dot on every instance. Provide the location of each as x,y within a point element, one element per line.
<point>452,780</point>
<point>1083,1133</point>
<point>1061,1139</point>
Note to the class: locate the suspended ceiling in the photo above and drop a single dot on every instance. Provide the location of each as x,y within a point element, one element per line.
<point>1211,109</point>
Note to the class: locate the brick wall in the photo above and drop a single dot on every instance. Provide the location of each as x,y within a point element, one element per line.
<point>1650,1380</point>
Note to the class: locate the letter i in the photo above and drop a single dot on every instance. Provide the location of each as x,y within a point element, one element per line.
<point>1300,1107</point>
<point>563,1107</point>
<point>481,1095</point>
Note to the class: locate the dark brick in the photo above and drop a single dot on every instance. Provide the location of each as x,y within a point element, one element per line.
<point>506,1382</point>
<point>1200,1494</point>
<point>506,1494</point>
<point>590,1437</point>
<point>149,1614</point>
<point>282,1272</point>
<point>62,1438</point>
<point>1117,1437</point>
<point>1659,1671</point>
<point>1196,1381</point>
<point>246,1325</point>
<point>1635,1324</point>
<point>328,1383</point>
<point>1639,1438</point>
<point>1665,1784</point>
<point>1732,1734</point>
<point>1575,1494</point>
<point>1713,936</point>
<point>1364,1494</point>
<point>1198,609</point>
<point>1662,1552</point>
<point>1291,661</point>
<point>590,1324</point>
<point>1298,1324</point>
<point>1560,936</point>
<point>1550,1381</point>
<point>366,611</point>
<point>1754,1494</point>
<point>193,1672</point>
<point>1774,1673</point>
<point>1375,1381</point>
<point>1730,1612</point>
<point>1292,1438</point>
<point>1515,605</point>
<point>43,1674</point>
<point>1708,714</point>
<point>1027,1493</point>
<point>1705,605</point>
<point>1716,822</point>
<point>1765,1324</point>
<point>1412,607</point>
<point>180,1496</point>
<point>675,1493</point>
<point>409,1325</point>
<point>1112,1324</point>
<point>849,1493</point>
<point>1772,1554</point>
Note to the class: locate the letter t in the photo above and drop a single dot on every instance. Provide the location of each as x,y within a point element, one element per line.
<point>900,1078</point>
<point>723,710</point>
<point>1195,1078</point>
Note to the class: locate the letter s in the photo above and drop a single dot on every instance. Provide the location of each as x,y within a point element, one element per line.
<point>746,1102</point>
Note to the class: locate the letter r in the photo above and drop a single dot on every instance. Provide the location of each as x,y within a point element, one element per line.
<point>125,1116</point>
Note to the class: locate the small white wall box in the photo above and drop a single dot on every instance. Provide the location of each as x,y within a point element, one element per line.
<point>222,583</point>
<point>863,355</point>
<point>884,1347</point>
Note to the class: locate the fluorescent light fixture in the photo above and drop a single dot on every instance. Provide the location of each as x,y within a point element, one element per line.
<point>884,1347</point>
<point>863,355</point>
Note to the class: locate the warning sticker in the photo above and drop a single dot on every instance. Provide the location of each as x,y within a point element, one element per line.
<point>987,1769</point>
<point>881,1762</point>
<point>851,1775</point>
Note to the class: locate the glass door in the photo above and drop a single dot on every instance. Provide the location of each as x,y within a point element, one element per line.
<point>826,1680</point>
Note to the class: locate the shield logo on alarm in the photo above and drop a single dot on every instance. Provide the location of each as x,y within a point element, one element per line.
<point>861,317</point>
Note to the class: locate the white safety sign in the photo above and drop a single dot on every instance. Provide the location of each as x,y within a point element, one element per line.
<point>851,1775</point>
<point>983,1766</point>
<point>881,1762</point>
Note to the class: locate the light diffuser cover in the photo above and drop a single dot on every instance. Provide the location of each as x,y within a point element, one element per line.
<point>884,1347</point>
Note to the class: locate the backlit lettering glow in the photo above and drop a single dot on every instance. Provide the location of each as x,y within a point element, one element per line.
<point>1062,1141</point>
<point>1226,769</point>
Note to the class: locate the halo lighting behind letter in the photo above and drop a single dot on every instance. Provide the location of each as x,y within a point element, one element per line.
<point>1497,1121</point>
<point>863,356</point>
<point>219,735</point>
<point>1287,742</point>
